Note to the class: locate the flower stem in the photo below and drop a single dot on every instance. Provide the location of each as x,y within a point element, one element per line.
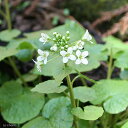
<point>85,77</point>
<point>110,69</point>
<point>8,18</point>
<point>2,14</point>
<point>72,97</point>
<point>16,70</point>
<point>71,91</point>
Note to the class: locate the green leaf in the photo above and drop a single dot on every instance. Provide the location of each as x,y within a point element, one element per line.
<point>124,74</point>
<point>115,44</point>
<point>28,78</point>
<point>113,94</point>
<point>7,52</point>
<point>50,86</point>
<point>125,125</point>
<point>116,104</point>
<point>8,35</point>
<point>18,104</point>
<point>122,61</point>
<point>89,113</point>
<point>84,94</point>
<point>23,108</point>
<point>83,124</point>
<point>56,114</point>
<point>24,55</point>
<point>9,90</point>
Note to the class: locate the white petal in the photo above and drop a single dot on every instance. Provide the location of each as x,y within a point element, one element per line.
<point>65,59</point>
<point>34,61</point>
<point>84,61</point>
<point>41,40</point>
<point>78,61</point>
<point>47,53</point>
<point>80,47</point>
<point>85,53</point>
<point>70,50</point>
<point>91,42</point>
<point>74,47</point>
<point>39,58</point>
<point>63,53</point>
<point>87,36</point>
<point>78,53</point>
<point>72,57</point>
<point>82,42</point>
<point>40,52</point>
<point>45,61</point>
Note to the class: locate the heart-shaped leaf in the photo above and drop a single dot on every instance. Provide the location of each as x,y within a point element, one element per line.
<point>56,114</point>
<point>84,94</point>
<point>89,112</point>
<point>113,94</point>
<point>50,86</point>
<point>18,104</point>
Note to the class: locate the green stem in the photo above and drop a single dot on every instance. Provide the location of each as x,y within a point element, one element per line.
<point>2,14</point>
<point>72,97</point>
<point>16,70</point>
<point>85,77</point>
<point>75,79</point>
<point>83,81</point>
<point>71,91</point>
<point>8,18</point>
<point>110,68</point>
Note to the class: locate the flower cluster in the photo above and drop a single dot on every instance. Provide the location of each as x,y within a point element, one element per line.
<point>69,51</point>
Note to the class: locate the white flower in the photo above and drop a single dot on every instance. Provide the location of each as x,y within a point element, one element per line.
<point>67,55</point>
<point>43,56</point>
<point>44,38</point>
<point>80,44</point>
<point>38,65</point>
<point>87,36</point>
<point>53,48</point>
<point>81,57</point>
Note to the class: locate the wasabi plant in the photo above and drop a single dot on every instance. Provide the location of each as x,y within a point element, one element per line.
<point>68,51</point>
<point>56,93</point>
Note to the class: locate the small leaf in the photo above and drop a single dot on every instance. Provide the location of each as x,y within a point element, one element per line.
<point>8,35</point>
<point>121,60</point>
<point>7,52</point>
<point>115,44</point>
<point>84,94</point>
<point>124,74</point>
<point>27,78</point>
<point>50,86</point>
<point>24,55</point>
<point>89,113</point>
